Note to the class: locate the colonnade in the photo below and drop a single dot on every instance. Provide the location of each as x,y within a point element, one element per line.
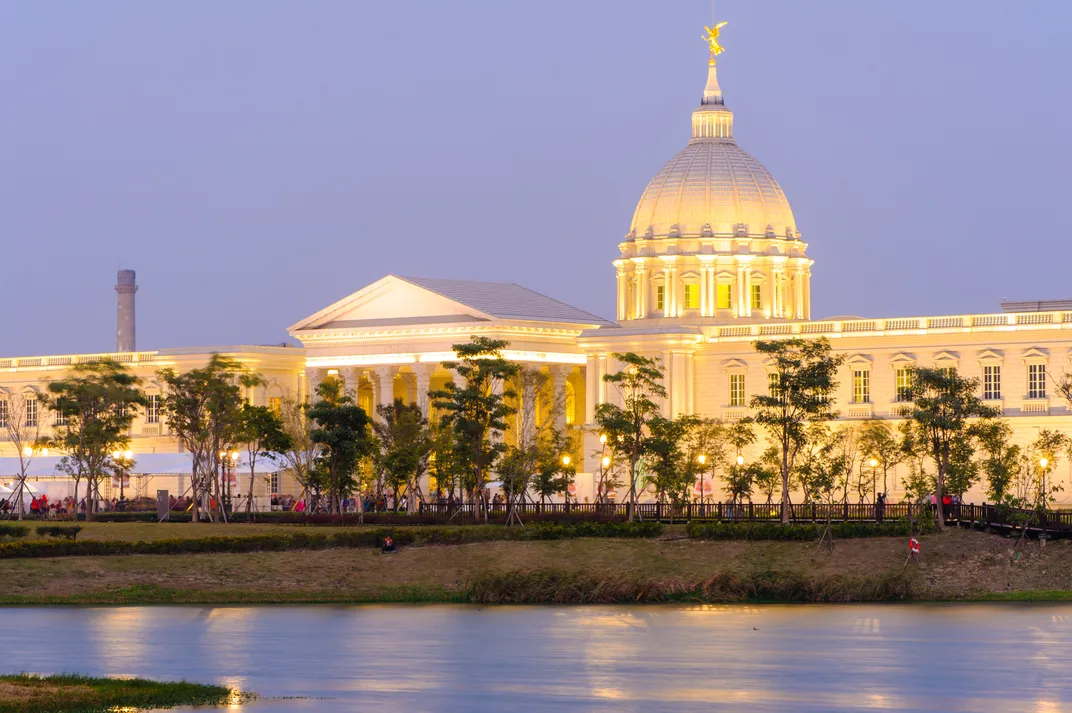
<point>416,381</point>
<point>784,286</point>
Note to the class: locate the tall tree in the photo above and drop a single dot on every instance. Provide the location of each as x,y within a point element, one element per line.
<point>94,405</point>
<point>300,457</point>
<point>878,442</point>
<point>943,405</point>
<point>998,458</point>
<point>671,473</point>
<point>477,411</point>
<point>705,452</point>
<point>344,438</point>
<point>640,385</point>
<point>804,375</point>
<point>260,431</point>
<point>21,421</point>
<point>203,408</point>
<point>404,443</point>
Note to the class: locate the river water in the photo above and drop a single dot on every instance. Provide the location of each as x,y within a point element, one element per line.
<point>974,657</point>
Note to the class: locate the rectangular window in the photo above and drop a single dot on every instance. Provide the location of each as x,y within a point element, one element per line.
<point>152,409</point>
<point>903,379</point>
<point>660,298</point>
<point>724,297</point>
<point>3,413</point>
<point>991,383</point>
<point>692,297</point>
<point>757,297</point>
<point>736,389</point>
<point>1036,381</point>
<point>275,404</point>
<point>31,412</point>
<point>861,386</point>
<point>274,483</point>
<point>59,419</point>
<point>772,384</point>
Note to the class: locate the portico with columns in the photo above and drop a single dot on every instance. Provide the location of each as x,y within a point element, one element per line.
<point>389,340</point>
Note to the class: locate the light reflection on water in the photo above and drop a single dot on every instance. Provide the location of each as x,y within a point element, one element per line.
<point>520,659</point>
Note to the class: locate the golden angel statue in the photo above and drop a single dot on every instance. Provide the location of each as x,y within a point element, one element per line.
<point>712,40</point>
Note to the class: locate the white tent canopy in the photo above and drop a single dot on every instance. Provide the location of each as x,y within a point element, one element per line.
<point>144,464</point>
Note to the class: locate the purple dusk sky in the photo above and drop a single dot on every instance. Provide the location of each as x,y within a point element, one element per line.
<point>255,160</point>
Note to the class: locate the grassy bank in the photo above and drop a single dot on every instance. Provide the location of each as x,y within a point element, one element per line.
<point>957,564</point>
<point>80,694</point>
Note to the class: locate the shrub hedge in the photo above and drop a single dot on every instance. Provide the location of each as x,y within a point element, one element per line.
<point>303,540</point>
<point>795,531</point>
<point>66,531</point>
<point>7,530</point>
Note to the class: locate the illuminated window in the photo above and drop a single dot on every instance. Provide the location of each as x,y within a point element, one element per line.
<point>757,297</point>
<point>903,379</point>
<point>660,298</point>
<point>59,419</point>
<point>861,386</point>
<point>275,403</point>
<point>736,389</point>
<point>3,413</point>
<point>772,384</point>
<point>31,412</point>
<point>1036,381</point>
<point>152,409</point>
<point>991,383</point>
<point>274,483</point>
<point>723,301</point>
<point>948,370</point>
<point>692,297</point>
<point>571,405</point>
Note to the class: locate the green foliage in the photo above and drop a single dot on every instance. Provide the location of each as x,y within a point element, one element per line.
<point>670,472</point>
<point>476,413</point>
<point>805,376</point>
<point>358,537</point>
<point>795,531</point>
<point>640,385</point>
<point>343,437</point>
<point>880,442</point>
<point>403,446</point>
<point>7,530</point>
<point>68,532</point>
<point>943,405</point>
<point>97,403</point>
<point>260,430</point>
<point>203,410</point>
<point>66,693</point>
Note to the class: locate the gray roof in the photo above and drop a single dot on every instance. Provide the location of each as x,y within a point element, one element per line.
<point>506,300</point>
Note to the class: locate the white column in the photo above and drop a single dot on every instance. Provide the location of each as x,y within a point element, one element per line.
<point>705,299</point>
<point>670,272</point>
<point>807,295</point>
<point>601,393</point>
<point>798,295</point>
<point>740,291</point>
<point>423,376</point>
<point>314,377</point>
<point>623,294</point>
<point>747,274</point>
<point>559,373</point>
<point>386,376</point>
<point>591,385</point>
<point>668,384</point>
<point>712,290</point>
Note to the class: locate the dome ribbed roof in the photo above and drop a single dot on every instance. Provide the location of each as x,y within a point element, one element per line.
<point>713,186</point>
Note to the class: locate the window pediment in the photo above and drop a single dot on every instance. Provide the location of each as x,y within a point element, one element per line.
<point>946,358</point>
<point>860,360</point>
<point>902,360</point>
<point>990,357</point>
<point>735,365</point>
<point>1034,355</point>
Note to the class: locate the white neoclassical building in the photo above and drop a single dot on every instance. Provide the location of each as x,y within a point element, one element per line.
<point>712,261</point>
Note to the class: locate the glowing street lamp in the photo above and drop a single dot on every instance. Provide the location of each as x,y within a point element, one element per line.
<point>606,461</point>
<point>603,438</point>
<point>702,460</point>
<point>566,461</point>
<point>123,459</point>
<point>740,460</point>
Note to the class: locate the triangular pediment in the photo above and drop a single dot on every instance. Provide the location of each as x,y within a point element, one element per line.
<point>734,364</point>
<point>859,360</point>
<point>1035,353</point>
<point>945,357</point>
<point>902,358</point>
<point>990,356</point>
<point>390,301</point>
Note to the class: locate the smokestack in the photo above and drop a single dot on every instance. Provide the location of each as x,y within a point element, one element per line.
<point>124,322</point>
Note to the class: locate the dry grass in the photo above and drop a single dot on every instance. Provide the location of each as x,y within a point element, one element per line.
<point>956,564</point>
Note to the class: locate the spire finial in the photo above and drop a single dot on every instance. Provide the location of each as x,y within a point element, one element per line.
<point>712,41</point>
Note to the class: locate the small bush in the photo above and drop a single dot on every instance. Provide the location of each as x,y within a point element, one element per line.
<point>7,530</point>
<point>66,531</point>
<point>801,532</point>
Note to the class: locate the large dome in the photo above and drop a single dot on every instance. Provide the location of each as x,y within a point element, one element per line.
<point>713,186</point>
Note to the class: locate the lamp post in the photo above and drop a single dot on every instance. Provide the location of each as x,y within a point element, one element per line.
<point>229,459</point>
<point>565,466</point>
<point>702,460</point>
<point>874,479</point>
<point>123,460</point>
<point>1044,463</point>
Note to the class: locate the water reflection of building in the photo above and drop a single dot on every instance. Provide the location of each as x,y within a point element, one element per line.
<point>712,260</point>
